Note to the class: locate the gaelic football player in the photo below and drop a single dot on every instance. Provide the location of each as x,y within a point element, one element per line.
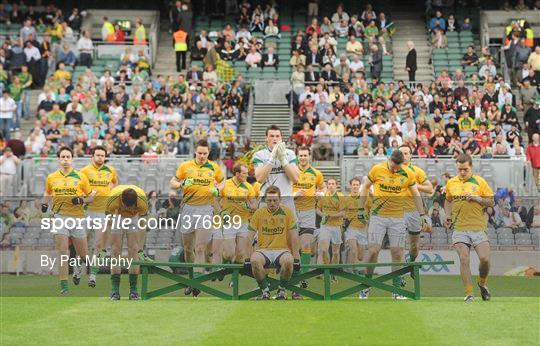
<point>237,199</point>
<point>331,208</point>
<point>467,195</point>
<point>68,189</point>
<point>355,235</point>
<point>274,224</point>
<point>127,202</point>
<point>305,190</point>
<point>391,180</point>
<point>199,179</point>
<point>275,165</point>
<point>102,179</point>
<point>412,218</point>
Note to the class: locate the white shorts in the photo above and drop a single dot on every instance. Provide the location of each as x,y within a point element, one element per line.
<point>412,222</point>
<point>193,217</point>
<point>469,237</point>
<point>97,215</point>
<point>272,256</point>
<point>380,226</point>
<point>132,226</point>
<point>331,233</point>
<point>231,233</point>
<point>358,235</point>
<point>73,230</point>
<point>306,220</point>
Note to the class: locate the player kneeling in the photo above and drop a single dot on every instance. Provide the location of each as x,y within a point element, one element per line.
<point>278,245</point>
<point>128,202</point>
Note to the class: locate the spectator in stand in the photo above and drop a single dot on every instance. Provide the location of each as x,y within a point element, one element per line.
<point>253,59</point>
<point>534,60</point>
<point>313,27</point>
<point>271,30</point>
<point>322,148</point>
<point>532,119</point>
<point>437,22</point>
<point>470,58</point>
<point>198,51</point>
<point>327,27</point>
<point>297,59</point>
<point>439,39</point>
<point>86,48</point>
<point>533,157</point>
<point>256,25</point>
<point>410,64</point>
<point>328,74</point>
<point>488,69</point>
<point>371,32</point>
<point>354,47</point>
<point>339,16</point>
<point>270,59</point>
<point>376,62</point>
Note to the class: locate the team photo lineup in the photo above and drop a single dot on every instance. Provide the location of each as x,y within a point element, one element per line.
<point>279,210</point>
<point>235,172</point>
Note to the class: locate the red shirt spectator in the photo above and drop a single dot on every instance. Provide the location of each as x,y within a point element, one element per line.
<point>314,26</point>
<point>307,106</point>
<point>352,110</point>
<point>533,151</point>
<point>304,136</point>
<point>483,141</point>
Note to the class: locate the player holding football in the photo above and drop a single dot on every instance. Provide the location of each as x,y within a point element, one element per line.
<point>467,195</point>
<point>128,202</point>
<point>275,226</point>
<point>200,179</point>
<point>306,191</point>
<point>68,190</point>
<point>391,180</point>
<point>412,218</point>
<point>102,179</point>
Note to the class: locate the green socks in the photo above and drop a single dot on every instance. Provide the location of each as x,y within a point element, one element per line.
<point>101,254</point>
<point>64,285</point>
<point>305,258</point>
<point>115,282</point>
<point>133,282</point>
<point>283,284</point>
<point>263,284</point>
<point>412,258</point>
<point>396,281</point>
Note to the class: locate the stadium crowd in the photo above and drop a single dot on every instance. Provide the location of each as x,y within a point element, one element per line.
<point>123,107</point>
<point>343,108</point>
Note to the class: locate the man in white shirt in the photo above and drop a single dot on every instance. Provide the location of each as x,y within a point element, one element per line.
<point>322,147</point>
<point>31,52</point>
<point>8,107</point>
<point>8,169</point>
<point>356,65</point>
<point>85,47</point>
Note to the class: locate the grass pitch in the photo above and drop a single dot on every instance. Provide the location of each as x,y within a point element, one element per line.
<point>31,314</point>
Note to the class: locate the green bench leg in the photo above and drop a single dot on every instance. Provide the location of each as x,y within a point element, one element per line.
<point>327,282</point>
<point>416,270</point>
<point>144,288</point>
<point>235,276</point>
